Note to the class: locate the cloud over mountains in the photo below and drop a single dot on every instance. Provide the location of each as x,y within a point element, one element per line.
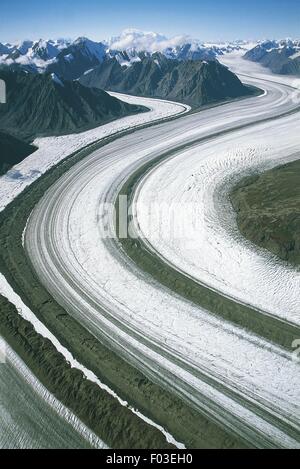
<point>146,41</point>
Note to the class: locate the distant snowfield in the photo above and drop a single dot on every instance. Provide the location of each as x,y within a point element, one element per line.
<point>244,67</point>
<point>185,347</point>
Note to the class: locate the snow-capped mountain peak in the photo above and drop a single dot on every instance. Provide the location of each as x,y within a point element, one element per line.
<point>24,46</point>
<point>45,50</point>
<point>94,49</point>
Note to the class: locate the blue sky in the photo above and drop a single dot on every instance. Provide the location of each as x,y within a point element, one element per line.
<point>203,19</point>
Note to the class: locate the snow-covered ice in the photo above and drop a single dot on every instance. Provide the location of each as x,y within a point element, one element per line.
<point>154,329</point>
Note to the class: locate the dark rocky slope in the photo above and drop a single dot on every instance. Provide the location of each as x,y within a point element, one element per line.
<point>80,56</point>
<point>193,82</point>
<point>40,105</point>
<point>12,151</point>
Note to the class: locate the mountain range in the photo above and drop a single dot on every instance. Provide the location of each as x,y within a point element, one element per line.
<point>69,59</point>
<point>281,57</point>
<point>42,105</point>
<point>191,81</point>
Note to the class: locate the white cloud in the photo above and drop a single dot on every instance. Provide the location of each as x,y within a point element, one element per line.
<point>145,41</point>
